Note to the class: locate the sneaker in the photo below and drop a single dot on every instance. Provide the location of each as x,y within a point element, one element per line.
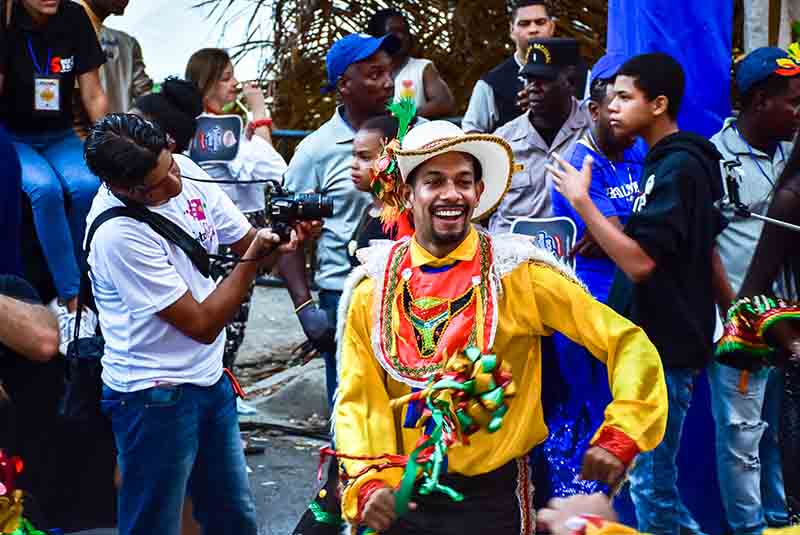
<point>66,324</point>
<point>243,408</point>
<point>88,327</point>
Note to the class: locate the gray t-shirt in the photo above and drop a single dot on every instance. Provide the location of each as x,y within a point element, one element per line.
<point>737,243</point>
<point>321,164</point>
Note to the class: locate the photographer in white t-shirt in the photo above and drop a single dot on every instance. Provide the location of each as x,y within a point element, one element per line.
<point>172,408</point>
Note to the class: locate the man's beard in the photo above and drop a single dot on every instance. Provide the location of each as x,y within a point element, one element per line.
<point>614,143</point>
<point>449,238</point>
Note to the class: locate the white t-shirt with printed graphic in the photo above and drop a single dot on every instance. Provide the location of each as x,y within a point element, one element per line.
<point>136,273</point>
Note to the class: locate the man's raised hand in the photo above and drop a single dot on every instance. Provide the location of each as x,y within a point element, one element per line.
<point>571,183</point>
<point>602,465</point>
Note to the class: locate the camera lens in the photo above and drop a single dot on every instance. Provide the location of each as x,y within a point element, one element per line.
<point>313,206</point>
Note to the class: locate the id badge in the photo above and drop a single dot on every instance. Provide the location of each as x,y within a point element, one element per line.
<point>46,94</point>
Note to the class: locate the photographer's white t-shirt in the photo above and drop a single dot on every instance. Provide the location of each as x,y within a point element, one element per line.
<point>136,273</point>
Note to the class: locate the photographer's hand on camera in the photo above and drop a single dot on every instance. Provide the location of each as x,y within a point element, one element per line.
<point>267,245</point>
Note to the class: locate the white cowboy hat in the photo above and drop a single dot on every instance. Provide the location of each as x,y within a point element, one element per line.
<point>433,138</point>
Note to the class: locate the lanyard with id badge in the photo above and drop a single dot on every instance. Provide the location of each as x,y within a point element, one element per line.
<point>46,86</point>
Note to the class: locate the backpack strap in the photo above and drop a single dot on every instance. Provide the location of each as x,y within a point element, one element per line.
<point>111,213</point>
<point>160,224</point>
<point>173,234</point>
<point>83,292</point>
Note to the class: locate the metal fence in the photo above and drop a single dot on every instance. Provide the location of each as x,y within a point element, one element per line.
<point>286,140</point>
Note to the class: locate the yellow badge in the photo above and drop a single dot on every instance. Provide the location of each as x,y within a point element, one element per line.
<point>46,96</point>
<point>535,50</point>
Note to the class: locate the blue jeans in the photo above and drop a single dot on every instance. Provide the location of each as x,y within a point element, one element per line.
<point>11,208</point>
<point>52,168</point>
<point>175,439</point>
<point>748,453</point>
<point>329,302</point>
<point>654,478</point>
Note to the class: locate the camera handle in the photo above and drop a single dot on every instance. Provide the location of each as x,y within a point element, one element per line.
<point>733,177</point>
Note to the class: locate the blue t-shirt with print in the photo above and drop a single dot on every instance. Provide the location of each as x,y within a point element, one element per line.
<point>613,189</point>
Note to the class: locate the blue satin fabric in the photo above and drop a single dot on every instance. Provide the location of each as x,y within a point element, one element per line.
<point>575,393</point>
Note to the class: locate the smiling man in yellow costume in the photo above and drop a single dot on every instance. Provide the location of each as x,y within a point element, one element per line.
<point>454,306</point>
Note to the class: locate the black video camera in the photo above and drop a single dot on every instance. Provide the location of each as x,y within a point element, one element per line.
<point>285,208</point>
<point>733,178</point>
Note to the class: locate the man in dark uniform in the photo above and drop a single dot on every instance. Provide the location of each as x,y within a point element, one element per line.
<point>494,98</point>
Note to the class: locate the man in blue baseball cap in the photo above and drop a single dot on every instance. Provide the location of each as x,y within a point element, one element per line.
<point>606,68</point>
<point>359,69</point>
<point>353,49</point>
<point>615,177</point>
<point>746,405</point>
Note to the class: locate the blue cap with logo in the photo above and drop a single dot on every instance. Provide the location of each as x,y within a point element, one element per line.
<point>352,49</point>
<point>607,67</point>
<point>762,62</point>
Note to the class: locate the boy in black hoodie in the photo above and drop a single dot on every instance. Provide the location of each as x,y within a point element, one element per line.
<point>663,258</point>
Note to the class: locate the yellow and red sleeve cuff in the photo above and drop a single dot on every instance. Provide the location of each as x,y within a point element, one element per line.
<point>619,444</point>
<point>356,493</point>
<point>368,489</point>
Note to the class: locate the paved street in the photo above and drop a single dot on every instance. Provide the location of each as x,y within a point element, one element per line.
<point>283,480</point>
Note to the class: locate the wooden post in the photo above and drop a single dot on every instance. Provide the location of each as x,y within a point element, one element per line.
<point>774,21</point>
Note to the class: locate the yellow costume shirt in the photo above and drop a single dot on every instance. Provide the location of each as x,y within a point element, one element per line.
<point>535,299</point>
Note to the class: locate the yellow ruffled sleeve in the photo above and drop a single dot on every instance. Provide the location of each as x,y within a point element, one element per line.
<point>636,418</point>
<point>364,422</point>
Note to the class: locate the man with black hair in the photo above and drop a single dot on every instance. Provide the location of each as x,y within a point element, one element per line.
<point>554,122</point>
<point>746,405</point>
<point>172,407</point>
<point>494,100</point>
<point>431,93</point>
<point>663,259</point>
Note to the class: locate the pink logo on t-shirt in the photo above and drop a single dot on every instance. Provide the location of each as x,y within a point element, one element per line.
<point>196,209</point>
